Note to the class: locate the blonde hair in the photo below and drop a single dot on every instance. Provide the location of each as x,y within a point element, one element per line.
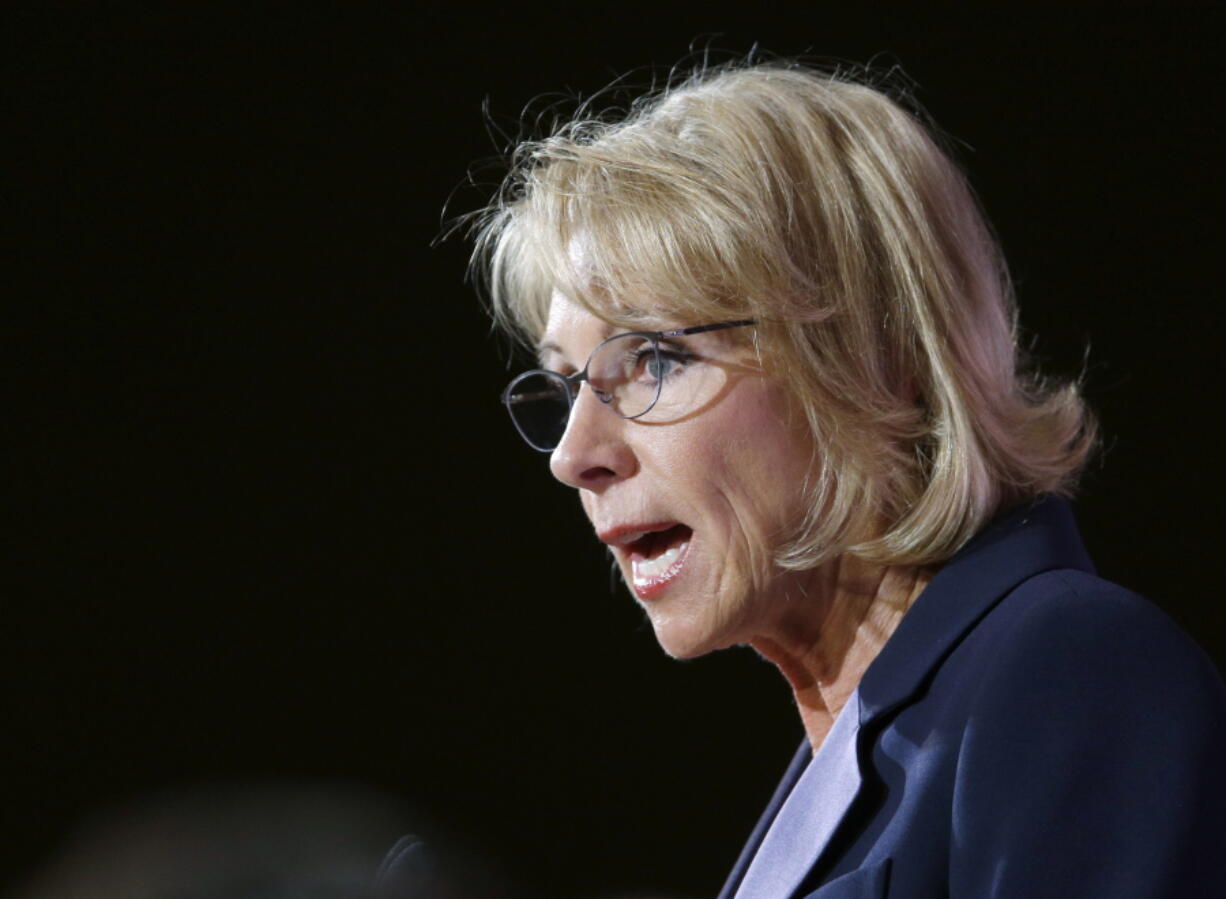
<point>821,208</point>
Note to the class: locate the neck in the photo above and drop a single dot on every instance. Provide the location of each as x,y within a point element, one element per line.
<point>831,628</point>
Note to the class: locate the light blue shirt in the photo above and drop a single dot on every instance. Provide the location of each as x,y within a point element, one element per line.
<point>810,814</point>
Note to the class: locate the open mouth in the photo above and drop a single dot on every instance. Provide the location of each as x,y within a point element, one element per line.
<point>657,557</point>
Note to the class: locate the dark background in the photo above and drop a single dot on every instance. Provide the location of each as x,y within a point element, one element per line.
<point>269,520</point>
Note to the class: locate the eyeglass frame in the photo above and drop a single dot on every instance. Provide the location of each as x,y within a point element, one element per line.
<point>573,382</point>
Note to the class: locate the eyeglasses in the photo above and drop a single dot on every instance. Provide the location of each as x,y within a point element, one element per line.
<point>627,373</point>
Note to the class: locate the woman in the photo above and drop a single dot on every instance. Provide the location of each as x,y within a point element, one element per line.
<point>806,428</point>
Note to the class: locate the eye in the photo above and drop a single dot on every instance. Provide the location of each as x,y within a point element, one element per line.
<point>665,364</point>
<point>661,366</point>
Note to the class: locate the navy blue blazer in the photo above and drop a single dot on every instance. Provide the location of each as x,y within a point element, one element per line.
<point>1028,731</point>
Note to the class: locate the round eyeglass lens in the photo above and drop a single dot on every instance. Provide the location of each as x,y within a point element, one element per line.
<point>539,405</point>
<point>625,372</point>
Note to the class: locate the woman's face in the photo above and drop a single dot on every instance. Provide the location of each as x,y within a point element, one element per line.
<point>693,501</point>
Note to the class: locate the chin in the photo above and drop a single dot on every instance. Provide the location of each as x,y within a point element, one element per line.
<point>680,641</point>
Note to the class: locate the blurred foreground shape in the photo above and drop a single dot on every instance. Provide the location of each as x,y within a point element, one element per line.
<point>227,841</point>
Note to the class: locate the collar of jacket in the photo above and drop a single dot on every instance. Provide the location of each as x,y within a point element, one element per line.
<point>1028,540</point>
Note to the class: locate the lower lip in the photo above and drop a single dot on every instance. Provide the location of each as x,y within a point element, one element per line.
<point>653,587</point>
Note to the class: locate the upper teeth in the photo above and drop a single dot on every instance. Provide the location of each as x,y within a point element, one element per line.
<point>647,569</point>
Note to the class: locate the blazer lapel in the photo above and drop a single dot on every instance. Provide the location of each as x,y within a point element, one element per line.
<point>1029,540</point>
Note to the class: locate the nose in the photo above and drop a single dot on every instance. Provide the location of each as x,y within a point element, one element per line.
<point>593,452</point>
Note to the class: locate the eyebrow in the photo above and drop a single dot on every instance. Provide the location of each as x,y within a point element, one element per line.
<point>544,348</point>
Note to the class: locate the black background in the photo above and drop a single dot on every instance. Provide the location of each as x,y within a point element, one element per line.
<point>269,520</point>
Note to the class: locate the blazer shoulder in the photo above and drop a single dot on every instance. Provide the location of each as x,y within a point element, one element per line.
<point>1075,610</point>
<point>1080,641</point>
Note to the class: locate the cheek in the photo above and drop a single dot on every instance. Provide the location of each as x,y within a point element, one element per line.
<point>760,468</point>
<point>764,450</point>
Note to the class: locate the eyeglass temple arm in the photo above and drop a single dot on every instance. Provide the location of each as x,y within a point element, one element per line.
<point>700,329</point>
